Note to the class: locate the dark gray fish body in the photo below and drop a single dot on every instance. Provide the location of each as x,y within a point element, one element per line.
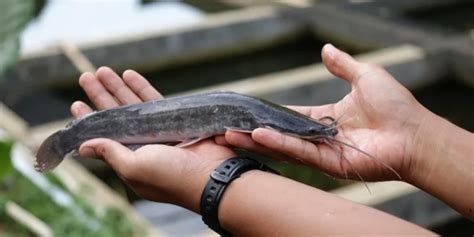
<point>178,119</point>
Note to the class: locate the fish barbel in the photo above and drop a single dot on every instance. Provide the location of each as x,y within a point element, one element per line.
<point>184,120</point>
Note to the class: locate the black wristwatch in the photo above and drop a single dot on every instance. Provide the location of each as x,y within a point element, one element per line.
<point>220,178</point>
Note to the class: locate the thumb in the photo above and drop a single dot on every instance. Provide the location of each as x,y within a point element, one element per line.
<point>113,153</point>
<point>340,63</point>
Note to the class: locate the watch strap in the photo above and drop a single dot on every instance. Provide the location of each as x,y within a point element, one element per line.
<point>220,178</point>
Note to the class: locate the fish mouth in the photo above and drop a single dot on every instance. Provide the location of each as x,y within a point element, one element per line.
<point>333,132</point>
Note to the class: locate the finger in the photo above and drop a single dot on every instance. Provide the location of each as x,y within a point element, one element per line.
<point>79,109</point>
<point>220,140</point>
<point>340,63</point>
<point>299,149</point>
<point>96,92</point>
<point>115,85</point>
<point>245,141</point>
<point>119,157</point>
<point>140,86</point>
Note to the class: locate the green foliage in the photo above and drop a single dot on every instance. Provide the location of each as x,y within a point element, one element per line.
<point>14,14</point>
<point>63,221</point>
<point>308,176</point>
<point>6,166</point>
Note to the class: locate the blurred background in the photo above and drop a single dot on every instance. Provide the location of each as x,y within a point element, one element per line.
<point>269,49</point>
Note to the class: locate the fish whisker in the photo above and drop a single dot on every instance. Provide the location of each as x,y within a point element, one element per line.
<point>339,124</point>
<point>366,154</point>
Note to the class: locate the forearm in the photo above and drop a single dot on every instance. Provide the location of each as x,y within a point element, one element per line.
<point>260,203</point>
<point>445,166</point>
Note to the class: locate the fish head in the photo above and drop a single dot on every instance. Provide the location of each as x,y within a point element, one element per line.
<point>317,132</point>
<point>305,129</point>
<point>321,131</point>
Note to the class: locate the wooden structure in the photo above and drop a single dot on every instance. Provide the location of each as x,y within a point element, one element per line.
<point>75,178</point>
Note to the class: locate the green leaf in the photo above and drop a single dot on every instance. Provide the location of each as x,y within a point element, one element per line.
<point>14,14</point>
<point>6,166</point>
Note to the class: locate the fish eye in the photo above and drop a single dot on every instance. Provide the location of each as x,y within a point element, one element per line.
<point>313,130</point>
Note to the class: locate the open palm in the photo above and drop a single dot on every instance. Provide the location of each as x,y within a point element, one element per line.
<point>156,172</point>
<point>379,116</point>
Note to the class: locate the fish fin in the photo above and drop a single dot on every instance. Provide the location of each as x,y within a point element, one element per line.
<point>135,147</point>
<point>49,154</point>
<point>233,129</point>
<point>190,141</point>
<point>273,129</point>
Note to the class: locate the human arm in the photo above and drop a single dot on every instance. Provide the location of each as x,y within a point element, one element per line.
<point>257,203</point>
<point>263,204</point>
<point>382,118</point>
<point>445,163</point>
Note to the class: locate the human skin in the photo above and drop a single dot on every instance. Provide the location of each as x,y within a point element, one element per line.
<point>383,118</point>
<point>177,175</point>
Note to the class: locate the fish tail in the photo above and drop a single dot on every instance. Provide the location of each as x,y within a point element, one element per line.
<point>49,154</point>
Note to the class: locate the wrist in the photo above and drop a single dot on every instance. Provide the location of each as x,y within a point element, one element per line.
<point>190,195</point>
<point>220,179</point>
<point>435,143</point>
<point>444,159</point>
<point>427,142</point>
<point>235,192</point>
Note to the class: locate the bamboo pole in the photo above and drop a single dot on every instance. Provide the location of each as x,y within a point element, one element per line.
<point>12,123</point>
<point>28,220</point>
<point>77,58</point>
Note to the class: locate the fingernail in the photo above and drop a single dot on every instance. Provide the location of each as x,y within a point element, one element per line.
<point>89,152</point>
<point>128,71</point>
<point>330,48</point>
<point>74,110</point>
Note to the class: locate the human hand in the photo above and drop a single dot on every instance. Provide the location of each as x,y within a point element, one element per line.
<point>155,172</point>
<point>379,116</point>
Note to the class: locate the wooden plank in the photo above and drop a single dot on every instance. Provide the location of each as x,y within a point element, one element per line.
<point>368,31</point>
<point>390,7</point>
<point>227,33</point>
<point>12,123</point>
<point>78,59</point>
<point>220,34</point>
<point>292,3</point>
<point>22,216</point>
<point>315,85</point>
